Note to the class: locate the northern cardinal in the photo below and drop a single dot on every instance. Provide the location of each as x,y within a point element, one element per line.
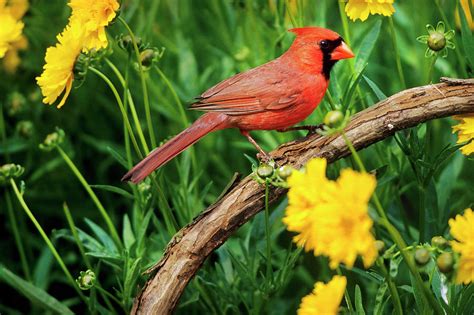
<point>273,96</point>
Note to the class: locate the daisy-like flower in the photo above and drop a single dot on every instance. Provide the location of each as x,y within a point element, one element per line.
<point>11,28</point>
<point>325,298</point>
<point>462,229</point>
<point>58,74</point>
<point>360,9</point>
<point>331,217</point>
<point>465,130</point>
<point>18,8</point>
<point>94,16</point>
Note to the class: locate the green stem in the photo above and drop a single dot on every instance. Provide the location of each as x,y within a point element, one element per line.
<point>143,82</point>
<point>73,228</point>
<point>461,59</point>
<point>16,235</point>
<point>124,113</point>
<point>397,54</point>
<point>46,239</point>
<point>392,287</point>
<point>111,296</point>
<point>347,297</point>
<point>269,274</point>
<point>92,195</point>
<point>431,69</point>
<point>163,76</point>
<point>347,40</point>
<point>132,105</point>
<point>396,237</point>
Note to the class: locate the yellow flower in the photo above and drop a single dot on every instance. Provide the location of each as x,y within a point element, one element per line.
<point>331,217</point>
<point>360,9</point>
<point>11,28</point>
<point>465,130</point>
<point>18,8</point>
<point>462,229</point>
<point>11,61</point>
<point>94,16</point>
<point>325,298</point>
<point>58,75</point>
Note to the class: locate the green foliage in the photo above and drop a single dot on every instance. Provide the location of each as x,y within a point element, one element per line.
<point>119,230</point>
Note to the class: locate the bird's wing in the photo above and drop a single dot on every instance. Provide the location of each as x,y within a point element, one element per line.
<point>250,92</point>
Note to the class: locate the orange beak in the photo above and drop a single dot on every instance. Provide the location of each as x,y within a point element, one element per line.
<point>342,52</point>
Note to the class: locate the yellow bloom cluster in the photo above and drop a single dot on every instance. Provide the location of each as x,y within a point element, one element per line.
<point>331,217</point>
<point>360,9</point>
<point>325,298</point>
<point>85,31</point>
<point>465,130</point>
<point>462,229</point>
<point>11,38</point>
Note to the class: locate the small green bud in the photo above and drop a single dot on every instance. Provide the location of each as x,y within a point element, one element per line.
<point>242,54</point>
<point>436,41</point>
<point>10,170</point>
<point>445,262</point>
<point>52,140</point>
<point>86,279</point>
<point>15,103</point>
<point>380,246</point>
<point>25,128</point>
<point>333,118</point>
<point>265,170</point>
<point>126,43</point>
<point>147,57</point>
<point>422,256</point>
<point>284,171</point>
<point>439,242</point>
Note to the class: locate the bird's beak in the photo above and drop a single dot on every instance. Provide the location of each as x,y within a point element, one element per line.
<point>342,52</point>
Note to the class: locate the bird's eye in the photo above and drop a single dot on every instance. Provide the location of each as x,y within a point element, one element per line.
<point>324,44</point>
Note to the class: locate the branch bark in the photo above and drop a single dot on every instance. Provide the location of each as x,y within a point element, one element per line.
<point>189,248</point>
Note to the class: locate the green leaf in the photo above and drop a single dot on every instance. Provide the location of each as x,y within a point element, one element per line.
<point>36,295</point>
<point>104,238</point>
<point>118,157</point>
<point>358,301</point>
<point>375,88</point>
<point>466,36</point>
<point>114,189</point>
<point>13,145</point>
<point>127,233</point>
<point>378,308</point>
<point>367,45</point>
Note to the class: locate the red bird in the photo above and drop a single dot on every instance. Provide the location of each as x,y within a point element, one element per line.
<point>273,96</point>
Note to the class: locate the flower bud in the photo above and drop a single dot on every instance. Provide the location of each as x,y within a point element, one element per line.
<point>86,279</point>
<point>126,43</point>
<point>25,128</point>
<point>439,242</point>
<point>436,41</point>
<point>52,140</point>
<point>284,172</point>
<point>10,170</point>
<point>380,246</point>
<point>265,170</point>
<point>147,57</point>
<point>333,118</point>
<point>422,256</point>
<point>16,103</point>
<point>445,262</point>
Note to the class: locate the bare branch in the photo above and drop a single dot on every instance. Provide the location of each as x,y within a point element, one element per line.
<point>192,244</point>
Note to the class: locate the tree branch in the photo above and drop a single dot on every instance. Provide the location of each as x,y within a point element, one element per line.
<point>192,244</point>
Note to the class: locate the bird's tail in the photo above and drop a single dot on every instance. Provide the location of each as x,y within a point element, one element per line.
<point>205,124</point>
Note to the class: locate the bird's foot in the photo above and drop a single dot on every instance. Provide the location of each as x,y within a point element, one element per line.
<point>263,157</point>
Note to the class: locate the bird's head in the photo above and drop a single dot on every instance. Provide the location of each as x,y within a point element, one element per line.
<point>319,48</point>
